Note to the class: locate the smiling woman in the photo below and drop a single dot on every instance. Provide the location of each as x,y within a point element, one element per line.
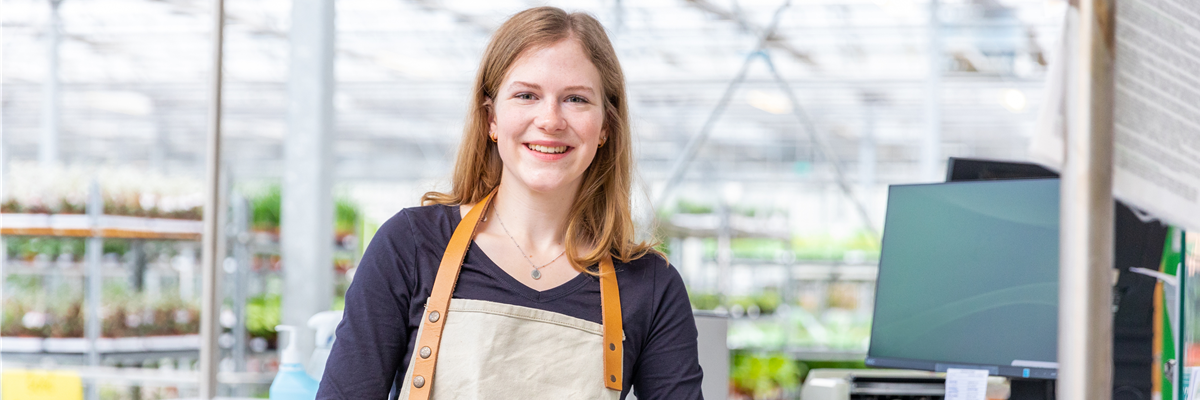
<point>548,132</point>
<point>556,299</point>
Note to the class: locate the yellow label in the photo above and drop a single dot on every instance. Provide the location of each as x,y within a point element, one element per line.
<point>25,384</point>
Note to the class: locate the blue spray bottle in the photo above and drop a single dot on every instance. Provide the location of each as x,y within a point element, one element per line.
<point>292,383</point>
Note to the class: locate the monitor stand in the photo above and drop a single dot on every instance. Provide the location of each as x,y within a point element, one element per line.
<point>1031,389</point>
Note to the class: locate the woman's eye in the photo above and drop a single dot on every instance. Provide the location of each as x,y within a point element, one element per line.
<point>576,99</point>
<point>525,96</point>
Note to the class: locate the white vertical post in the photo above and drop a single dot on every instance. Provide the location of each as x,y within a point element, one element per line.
<point>931,141</point>
<point>240,230</point>
<point>1085,248</point>
<point>307,209</point>
<point>48,144</point>
<point>94,251</point>
<point>210,305</point>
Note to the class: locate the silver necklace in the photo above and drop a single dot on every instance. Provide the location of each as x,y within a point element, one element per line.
<point>536,274</point>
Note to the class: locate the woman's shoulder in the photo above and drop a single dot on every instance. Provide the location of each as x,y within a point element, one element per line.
<point>412,220</point>
<point>649,260</point>
<point>651,269</point>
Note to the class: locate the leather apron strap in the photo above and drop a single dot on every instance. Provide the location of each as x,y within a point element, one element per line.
<point>614,333</point>
<point>443,288</point>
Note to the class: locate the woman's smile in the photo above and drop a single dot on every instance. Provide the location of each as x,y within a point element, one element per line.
<point>549,151</point>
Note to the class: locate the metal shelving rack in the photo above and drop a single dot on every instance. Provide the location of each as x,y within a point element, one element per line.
<point>725,225</point>
<point>92,350</point>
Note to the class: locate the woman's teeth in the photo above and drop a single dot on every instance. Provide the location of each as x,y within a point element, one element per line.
<point>546,149</point>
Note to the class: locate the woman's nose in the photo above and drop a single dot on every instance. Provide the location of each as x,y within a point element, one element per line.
<point>550,117</point>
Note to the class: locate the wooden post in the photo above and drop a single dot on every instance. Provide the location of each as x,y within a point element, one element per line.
<point>1086,248</point>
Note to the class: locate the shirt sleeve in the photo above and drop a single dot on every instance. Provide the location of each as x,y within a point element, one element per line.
<point>669,364</point>
<point>372,338</point>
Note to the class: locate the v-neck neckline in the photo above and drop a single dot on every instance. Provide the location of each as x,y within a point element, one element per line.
<point>493,269</point>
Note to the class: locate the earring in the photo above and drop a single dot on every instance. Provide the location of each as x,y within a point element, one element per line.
<point>602,142</point>
<point>494,139</point>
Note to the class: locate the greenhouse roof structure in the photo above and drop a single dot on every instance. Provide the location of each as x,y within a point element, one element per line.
<point>864,76</point>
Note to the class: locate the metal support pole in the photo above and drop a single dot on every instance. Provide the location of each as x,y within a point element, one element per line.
<point>240,232</point>
<point>307,211</point>
<point>51,105</point>
<point>210,305</point>
<point>1086,244</point>
<point>931,142</point>
<point>94,252</point>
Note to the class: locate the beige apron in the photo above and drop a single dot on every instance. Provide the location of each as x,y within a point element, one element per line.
<point>487,350</point>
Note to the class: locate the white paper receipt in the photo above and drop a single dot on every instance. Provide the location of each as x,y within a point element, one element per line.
<point>966,384</point>
<point>1193,383</point>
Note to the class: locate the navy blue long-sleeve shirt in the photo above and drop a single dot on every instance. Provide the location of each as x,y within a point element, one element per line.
<point>385,304</point>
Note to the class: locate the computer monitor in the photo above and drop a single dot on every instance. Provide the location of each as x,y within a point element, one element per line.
<point>1137,242</point>
<point>968,278</point>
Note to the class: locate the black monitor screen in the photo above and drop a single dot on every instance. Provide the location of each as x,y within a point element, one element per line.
<point>968,278</point>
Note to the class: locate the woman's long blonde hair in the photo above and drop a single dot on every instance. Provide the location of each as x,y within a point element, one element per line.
<point>600,219</point>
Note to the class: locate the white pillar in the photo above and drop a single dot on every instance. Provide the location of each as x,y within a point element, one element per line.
<point>212,251</point>
<point>931,142</point>
<point>94,249</point>
<point>307,220</point>
<point>48,143</point>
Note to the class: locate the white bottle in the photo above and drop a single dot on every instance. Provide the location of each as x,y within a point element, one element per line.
<point>291,382</point>
<point>325,323</point>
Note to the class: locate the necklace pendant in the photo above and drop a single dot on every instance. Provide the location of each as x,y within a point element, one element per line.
<point>536,274</point>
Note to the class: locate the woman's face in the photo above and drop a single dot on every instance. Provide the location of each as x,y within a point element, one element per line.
<point>548,117</point>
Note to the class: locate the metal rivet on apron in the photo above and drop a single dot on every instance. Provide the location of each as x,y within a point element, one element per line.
<point>425,352</point>
<point>419,381</point>
<point>612,346</point>
<point>610,377</point>
<point>433,316</point>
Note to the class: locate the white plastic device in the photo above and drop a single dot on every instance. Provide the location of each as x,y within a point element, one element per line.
<point>325,324</point>
<point>290,354</point>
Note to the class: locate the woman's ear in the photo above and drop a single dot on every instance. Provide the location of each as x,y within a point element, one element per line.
<point>490,108</point>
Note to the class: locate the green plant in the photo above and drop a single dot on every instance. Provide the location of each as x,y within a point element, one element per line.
<point>67,207</point>
<point>262,315</point>
<point>704,301</point>
<point>171,315</point>
<point>346,215</point>
<point>691,207</point>
<point>76,247</point>
<point>762,375</point>
<point>807,366</point>
<point>830,247</point>
<point>66,318</point>
<point>11,206</point>
<point>12,322</point>
<point>45,245</point>
<point>767,301</point>
<point>266,211</point>
<point>265,208</point>
<point>118,246</point>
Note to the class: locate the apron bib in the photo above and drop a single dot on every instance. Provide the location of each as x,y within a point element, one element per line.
<point>487,350</point>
